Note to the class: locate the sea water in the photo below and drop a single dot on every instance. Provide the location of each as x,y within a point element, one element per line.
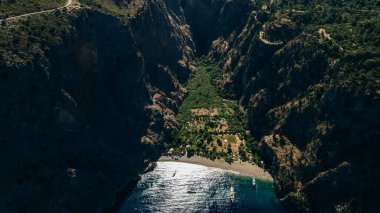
<point>182,187</point>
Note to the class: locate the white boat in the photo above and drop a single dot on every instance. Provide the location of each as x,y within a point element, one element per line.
<point>232,194</point>
<point>174,173</point>
<point>254,182</point>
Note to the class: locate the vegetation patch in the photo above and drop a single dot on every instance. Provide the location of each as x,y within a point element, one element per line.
<point>211,126</point>
<point>29,38</point>
<point>17,7</point>
<point>121,9</point>
<point>353,31</point>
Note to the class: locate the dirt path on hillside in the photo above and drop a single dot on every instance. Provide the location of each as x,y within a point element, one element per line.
<point>69,4</point>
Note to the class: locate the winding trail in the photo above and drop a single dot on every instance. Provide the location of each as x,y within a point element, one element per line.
<point>267,42</point>
<point>69,4</point>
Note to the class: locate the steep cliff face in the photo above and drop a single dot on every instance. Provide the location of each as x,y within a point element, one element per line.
<point>210,20</point>
<point>88,96</point>
<point>317,127</point>
<point>84,111</point>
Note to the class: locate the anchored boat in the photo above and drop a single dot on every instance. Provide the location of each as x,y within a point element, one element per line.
<point>232,194</point>
<point>254,182</point>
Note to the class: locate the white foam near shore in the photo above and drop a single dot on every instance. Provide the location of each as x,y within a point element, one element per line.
<point>243,168</point>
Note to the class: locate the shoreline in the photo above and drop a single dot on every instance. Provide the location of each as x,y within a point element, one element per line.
<point>243,168</point>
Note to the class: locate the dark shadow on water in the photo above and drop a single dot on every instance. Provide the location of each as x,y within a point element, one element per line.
<point>120,197</point>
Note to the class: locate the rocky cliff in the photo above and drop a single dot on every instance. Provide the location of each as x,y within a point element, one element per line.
<point>316,124</point>
<point>89,96</point>
<point>87,101</point>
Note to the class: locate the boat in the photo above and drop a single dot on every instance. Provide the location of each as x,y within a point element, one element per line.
<point>254,182</point>
<point>174,173</point>
<point>232,194</point>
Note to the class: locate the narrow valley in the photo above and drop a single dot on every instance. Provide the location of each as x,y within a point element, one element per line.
<point>107,105</point>
<point>211,125</point>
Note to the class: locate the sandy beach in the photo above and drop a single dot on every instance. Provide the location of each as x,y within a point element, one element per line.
<point>243,168</point>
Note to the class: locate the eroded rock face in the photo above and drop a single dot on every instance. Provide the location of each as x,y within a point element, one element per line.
<point>209,20</point>
<point>318,136</point>
<point>83,119</point>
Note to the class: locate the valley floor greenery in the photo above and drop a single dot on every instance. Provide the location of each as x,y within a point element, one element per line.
<point>211,126</point>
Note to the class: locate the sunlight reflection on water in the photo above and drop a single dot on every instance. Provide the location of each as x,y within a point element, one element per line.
<point>195,188</point>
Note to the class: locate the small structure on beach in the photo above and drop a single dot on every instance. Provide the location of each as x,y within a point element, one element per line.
<point>171,150</point>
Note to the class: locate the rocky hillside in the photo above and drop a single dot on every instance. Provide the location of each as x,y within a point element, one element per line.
<point>87,101</point>
<point>310,88</point>
<point>89,95</point>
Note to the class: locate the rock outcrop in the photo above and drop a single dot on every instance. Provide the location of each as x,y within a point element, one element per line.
<point>318,133</point>
<point>89,96</point>
<point>85,112</point>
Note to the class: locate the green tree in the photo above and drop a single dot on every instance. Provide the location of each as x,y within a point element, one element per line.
<point>219,142</point>
<point>229,149</point>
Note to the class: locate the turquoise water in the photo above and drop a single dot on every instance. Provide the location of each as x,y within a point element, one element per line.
<point>196,188</point>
